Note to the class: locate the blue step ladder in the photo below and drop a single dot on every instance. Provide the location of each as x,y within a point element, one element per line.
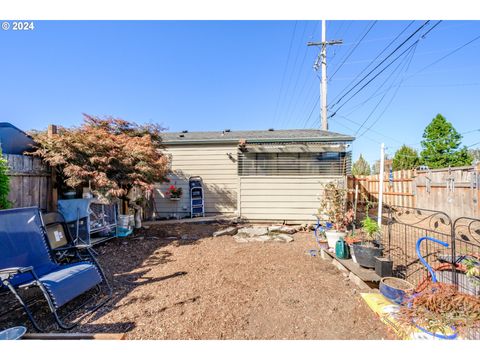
<point>197,201</point>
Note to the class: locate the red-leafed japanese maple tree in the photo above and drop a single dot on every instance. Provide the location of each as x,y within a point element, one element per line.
<point>112,155</point>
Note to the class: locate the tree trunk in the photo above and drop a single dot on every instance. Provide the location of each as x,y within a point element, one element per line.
<point>138,215</point>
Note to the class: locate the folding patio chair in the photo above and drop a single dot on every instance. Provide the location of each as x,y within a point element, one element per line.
<point>63,244</point>
<point>27,260</point>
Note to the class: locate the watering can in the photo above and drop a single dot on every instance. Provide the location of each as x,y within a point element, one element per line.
<point>342,250</point>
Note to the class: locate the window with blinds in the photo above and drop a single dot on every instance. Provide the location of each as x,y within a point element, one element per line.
<point>297,164</point>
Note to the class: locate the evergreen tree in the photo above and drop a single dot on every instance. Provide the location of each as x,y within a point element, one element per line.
<point>405,158</point>
<point>4,183</point>
<point>361,167</point>
<point>441,145</point>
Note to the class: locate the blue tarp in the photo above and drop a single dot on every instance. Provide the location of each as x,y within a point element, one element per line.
<point>73,209</point>
<point>13,140</point>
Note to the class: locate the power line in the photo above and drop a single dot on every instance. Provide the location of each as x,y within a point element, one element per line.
<point>427,140</point>
<point>340,37</point>
<point>350,129</point>
<point>373,130</point>
<point>450,53</point>
<point>367,83</point>
<point>293,69</point>
<point>311,111</point>
<point>287,112</point>
<point>414,44</point>
<point>381,52</point>
<point>338,29</point>
<point>394,94</point>
<point>405,68</point>
<point>311,95</point>
<point>434,63</point>
<point>384,95</point>
<point>285,71</point>
<point>473,145</point>
<point>470,131</point>
<point>384,60</point>
<point>353,49</point>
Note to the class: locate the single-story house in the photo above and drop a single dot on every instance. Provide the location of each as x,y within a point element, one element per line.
<point>271,175</point>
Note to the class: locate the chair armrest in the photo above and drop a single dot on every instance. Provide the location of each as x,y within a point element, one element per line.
<point>7,273</point>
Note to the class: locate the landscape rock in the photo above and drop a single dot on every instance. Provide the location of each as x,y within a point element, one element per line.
<point>252,231</point>
<point>283,238</point>
<point>228,231</point>
<point>282,229</point>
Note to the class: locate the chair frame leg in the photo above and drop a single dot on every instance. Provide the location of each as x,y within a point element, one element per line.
<point>51,305</point>
<point>24,305</point>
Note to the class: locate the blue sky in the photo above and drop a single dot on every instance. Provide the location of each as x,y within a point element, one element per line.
<point>212,75</point>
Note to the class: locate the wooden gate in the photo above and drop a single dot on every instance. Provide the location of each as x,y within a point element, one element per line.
<point>30,182</point>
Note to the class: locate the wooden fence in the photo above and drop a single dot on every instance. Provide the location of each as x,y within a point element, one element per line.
<point>454,191</point>
<point>397,190</point>
<point>30,182</point>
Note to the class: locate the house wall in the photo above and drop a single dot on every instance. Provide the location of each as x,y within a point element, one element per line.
<point>292,199</point>
<point>218,172</point>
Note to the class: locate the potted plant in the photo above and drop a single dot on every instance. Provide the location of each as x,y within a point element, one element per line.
<point>368,248</point>
<point>333,207</point>
<point>354,237</point>
<point>174,193</point>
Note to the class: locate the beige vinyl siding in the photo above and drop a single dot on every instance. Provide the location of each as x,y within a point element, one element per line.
<point>218,172</point>
<point>281,198</point>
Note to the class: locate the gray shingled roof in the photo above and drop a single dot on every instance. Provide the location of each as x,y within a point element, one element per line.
<point>300,135</point>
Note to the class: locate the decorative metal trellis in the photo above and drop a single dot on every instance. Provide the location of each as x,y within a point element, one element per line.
<point>466,235</point>
<point>404,225</point>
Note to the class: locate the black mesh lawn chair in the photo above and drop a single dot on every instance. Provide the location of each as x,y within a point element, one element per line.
<point>28,260</point>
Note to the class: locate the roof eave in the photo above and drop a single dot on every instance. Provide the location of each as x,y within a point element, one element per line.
<point>235,141</point>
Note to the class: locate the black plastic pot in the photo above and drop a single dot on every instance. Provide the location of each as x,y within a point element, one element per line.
<point>365,254</point>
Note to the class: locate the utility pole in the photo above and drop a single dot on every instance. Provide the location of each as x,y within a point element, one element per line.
<point>380,190</point>
<point>323,84</point>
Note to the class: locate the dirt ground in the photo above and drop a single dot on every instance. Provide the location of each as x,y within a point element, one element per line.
<point>178,282</point>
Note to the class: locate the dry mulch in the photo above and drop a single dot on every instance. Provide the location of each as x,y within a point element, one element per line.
<point>200,287</point>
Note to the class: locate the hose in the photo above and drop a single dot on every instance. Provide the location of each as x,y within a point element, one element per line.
<point>422,260</point>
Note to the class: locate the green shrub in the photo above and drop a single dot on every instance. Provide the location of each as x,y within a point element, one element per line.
<point>370,227</point>
<point>4,183</point>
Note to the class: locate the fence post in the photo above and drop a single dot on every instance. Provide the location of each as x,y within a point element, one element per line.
<point>380,185</point>
<point>52,206</point>
<point>476,197</point>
